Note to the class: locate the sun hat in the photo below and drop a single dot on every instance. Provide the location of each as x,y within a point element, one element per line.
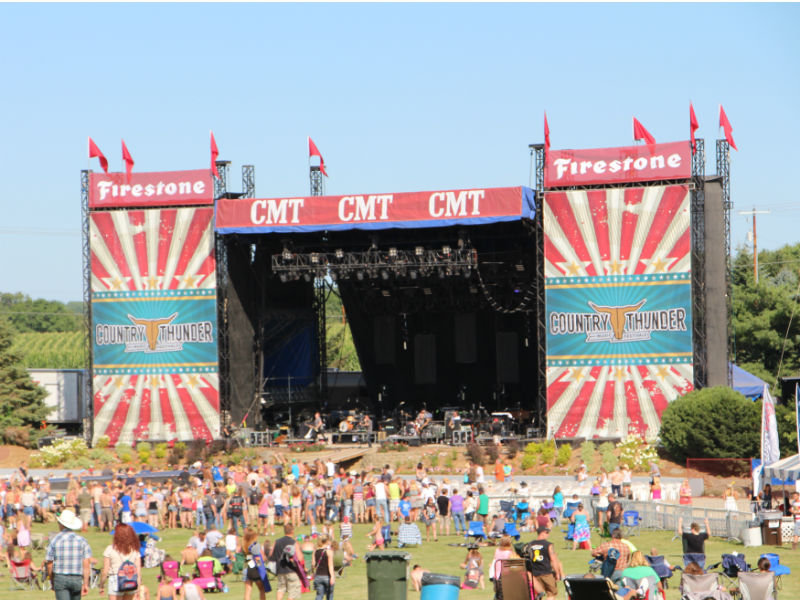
<point>68,519</point>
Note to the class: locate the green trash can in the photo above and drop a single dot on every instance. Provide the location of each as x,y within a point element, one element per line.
<point>387,575</point>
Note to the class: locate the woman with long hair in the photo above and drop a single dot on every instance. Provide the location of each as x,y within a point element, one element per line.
<point>123,550</point>
<point>377,535</point>
<point>581,532</point>
<point>324,573</point>
<point>252,574</point>
<point>297,505</point>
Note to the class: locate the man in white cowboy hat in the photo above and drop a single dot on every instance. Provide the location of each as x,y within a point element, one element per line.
<point>67,559</point>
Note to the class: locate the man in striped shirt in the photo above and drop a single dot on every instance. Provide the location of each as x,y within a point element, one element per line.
<point>67,559</point>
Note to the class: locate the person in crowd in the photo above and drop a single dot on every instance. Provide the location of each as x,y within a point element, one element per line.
<point>473,569</point>
<point>287,556</point>
<point>624,550</point>
<point>122,564</point>
<point>68,559</point>
<point>503,551</point>
<point>408,534</point>
<point>694,540</point>
<point>190,590</point>
<point>323,570</point>
<point>483,506</point>
<point>443,504</point>
<point>639,569</point>
<point>685,493</point>
<point>376,534</point>
<point>416,577</point>
<point>255,565</point>
<point>614,513</point>
<point>543,566</point>
<point>429,518</point>
<point>581,532</point>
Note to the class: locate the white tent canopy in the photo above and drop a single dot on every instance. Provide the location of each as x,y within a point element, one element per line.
<point>786,468</point>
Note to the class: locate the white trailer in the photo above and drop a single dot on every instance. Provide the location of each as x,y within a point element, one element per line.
<point>68,395</point>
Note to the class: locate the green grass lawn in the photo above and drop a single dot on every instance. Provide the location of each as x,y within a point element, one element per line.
<point>440,557</point>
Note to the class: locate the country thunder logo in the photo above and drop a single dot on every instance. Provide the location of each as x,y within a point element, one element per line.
<point>154,335</point>
<point>617,324</point>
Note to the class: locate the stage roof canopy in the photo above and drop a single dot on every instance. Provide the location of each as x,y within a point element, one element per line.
<point>407,210</point>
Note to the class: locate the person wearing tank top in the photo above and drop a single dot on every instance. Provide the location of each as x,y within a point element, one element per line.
<point>324,573</point>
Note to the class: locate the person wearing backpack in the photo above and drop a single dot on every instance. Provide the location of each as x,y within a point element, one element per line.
<point>542,564</point>
<point>236,509</point>
<point>122,565</point>
<point>286,554</point>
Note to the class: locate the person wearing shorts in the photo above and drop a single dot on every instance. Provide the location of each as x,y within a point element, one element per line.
<point>288,581</point>
<point>543,565</point>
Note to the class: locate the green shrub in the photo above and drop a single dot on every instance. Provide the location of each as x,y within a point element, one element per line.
<point>101,456</point>
<point>528,461</point>
<point>144,446</point>
<point>606,447</point>
<point>533,448</point>
<point>475,453</point>
<point>715,422</point>
<point>548,453</point>
<point>609,462</point>
<point>161,450</point>
<point>125,454</point>
<point>587,453</point>
<point>434,461</point>
<point>103,442</point>
<point>144,456</point>
<point>563,455</point>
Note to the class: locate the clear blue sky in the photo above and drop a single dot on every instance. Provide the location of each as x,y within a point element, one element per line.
<point>398,97</point>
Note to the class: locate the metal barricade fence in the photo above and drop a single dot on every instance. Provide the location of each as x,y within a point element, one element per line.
<point>659,515</point>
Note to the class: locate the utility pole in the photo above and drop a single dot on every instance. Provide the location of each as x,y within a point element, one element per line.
<point>754,212</point>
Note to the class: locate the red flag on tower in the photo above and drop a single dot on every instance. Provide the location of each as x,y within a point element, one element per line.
<point>693,124</point>
<point>726,126</point>
<point>640,133</point>
<point>314,151</point>
<point>546,134</point>
<point>214,155</point>
<point>94,151</point>
<point>126,156</point>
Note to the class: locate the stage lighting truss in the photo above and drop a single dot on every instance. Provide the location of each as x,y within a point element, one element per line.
<point>414,263</point>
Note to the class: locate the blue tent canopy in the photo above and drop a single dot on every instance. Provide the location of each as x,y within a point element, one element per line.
<point>747,384</point>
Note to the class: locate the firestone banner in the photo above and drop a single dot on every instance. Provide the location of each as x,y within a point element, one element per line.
<point>628,164</point>
<point>618,308</point>
<point>171,188</point>
<point>154,325</point>
<point>375,211</point>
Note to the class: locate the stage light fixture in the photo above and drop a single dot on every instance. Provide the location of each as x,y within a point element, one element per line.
<point>473,289</point>
<point>339,253</point>
<point>386,293</point>
<point>314,258</point>
<point>441,273</point>
<point>283,277</point>
<point>385,274</point>
<point>427,291</point>
<point>360,275</point>
<point>446,250</point>
<point>412,274</point>
<point>392,252</point>
<point>519,267</point>
<point>286,254</point>
<point>419,251</point>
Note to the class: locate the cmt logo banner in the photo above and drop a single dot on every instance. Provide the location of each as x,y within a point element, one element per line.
<point>618,303</point>
<point>375,211</point>
<point>155,373</point>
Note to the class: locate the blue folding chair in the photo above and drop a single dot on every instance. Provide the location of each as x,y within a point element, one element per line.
<point>631,521</point>
<point>386,532</point>
<point>476,530</point>
<point>507,508</point>
<point>511,529</point>
<point>659,564</point>
<point>571,508</point>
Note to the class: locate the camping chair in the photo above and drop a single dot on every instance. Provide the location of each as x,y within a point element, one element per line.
<point>698,587</point>
<point>569,534</point>
<point>757,586</point>
<point>507,508</point>
<point>22,577</point>
<point>476,530</point>
<point>777,568</point>
<point>169,571</point>
<point>513,583</point>
<point>510,529</point>
<point>582,588</point>
<point>659,564</point>
<point>522,511</point>
<point>206,579</point>
<point>338,563</point>
<point>649,583</point>
<point>221,555</point>
<point>386,533</point>
<point>631,521</point>
<point>571,508</point>
<point>731,565</point>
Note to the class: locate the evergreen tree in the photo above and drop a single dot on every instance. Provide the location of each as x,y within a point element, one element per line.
<point>22,408</point>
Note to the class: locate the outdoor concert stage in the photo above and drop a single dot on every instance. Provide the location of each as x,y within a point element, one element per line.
<point>583,306</point>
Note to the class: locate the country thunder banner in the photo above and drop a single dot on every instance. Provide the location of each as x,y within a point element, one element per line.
<point>618,307</point>
<point>154,325</point>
